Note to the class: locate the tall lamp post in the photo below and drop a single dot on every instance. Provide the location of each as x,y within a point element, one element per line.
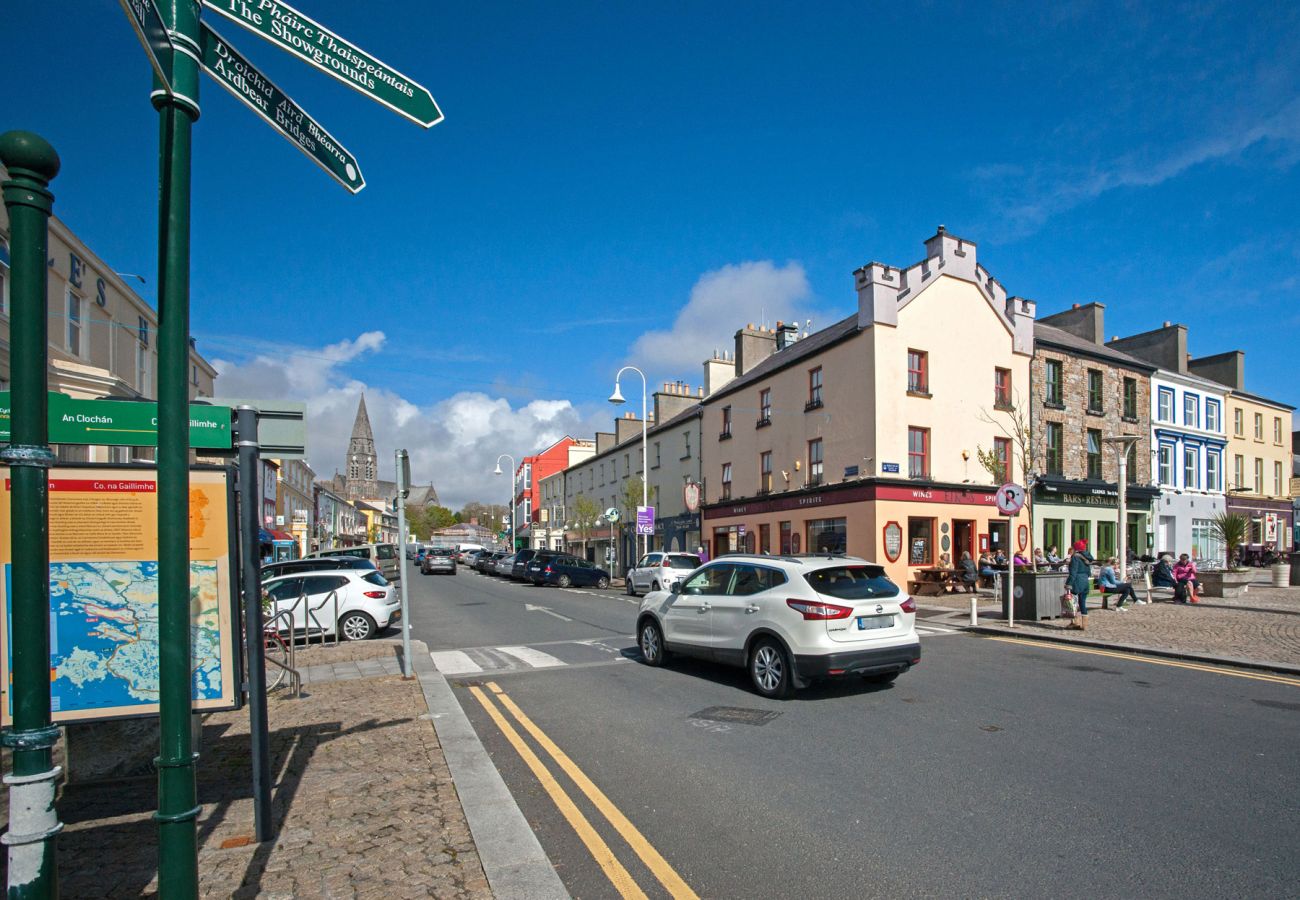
<point>617,398</point>
<point>1123,445</point>
<point>513,468</point>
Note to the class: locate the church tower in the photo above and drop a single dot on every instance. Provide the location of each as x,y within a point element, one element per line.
<point>363,463</point>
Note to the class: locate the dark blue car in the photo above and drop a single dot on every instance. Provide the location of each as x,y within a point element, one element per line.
<point>566,571</point>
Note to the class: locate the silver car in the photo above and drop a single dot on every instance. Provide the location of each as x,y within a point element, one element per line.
<point>504,565</point>
<point>659,571</point>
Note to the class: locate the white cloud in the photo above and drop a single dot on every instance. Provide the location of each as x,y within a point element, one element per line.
<point>1029,197</point>
<point>722,301</point>
<point>454,442</point>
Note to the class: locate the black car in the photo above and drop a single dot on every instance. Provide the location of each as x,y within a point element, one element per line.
<point>316,564</point>
<point>533,571</point>
<point>486,560</point>
<point>566,571</point>
<point>519,571</point>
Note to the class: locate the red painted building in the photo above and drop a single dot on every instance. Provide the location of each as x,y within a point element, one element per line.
<point>528,491</point>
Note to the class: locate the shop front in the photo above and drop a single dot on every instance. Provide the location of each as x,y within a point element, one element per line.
<point>1270,524</point>
<point>902,527</point>
<point>1066,511</point>
<point>680,532</point>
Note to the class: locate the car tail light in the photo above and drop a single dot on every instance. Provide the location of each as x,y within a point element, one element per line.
<point>665,563</point>
<point>908,605</point>
<point>546,571</point>
<point>376,595</point>
<point>813,610</point>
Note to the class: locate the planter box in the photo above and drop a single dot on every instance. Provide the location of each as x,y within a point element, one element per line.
<point>1225,583</point>
<point>1038,596</point>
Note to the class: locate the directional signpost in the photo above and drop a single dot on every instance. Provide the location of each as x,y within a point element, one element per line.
<point>236,74</point>
<point>179,46</point>
<point>315,44</point>
<point>149,28</point>
<point>118,423</point>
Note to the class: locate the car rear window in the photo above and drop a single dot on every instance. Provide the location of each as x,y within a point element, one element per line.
<point>852,582</point>
<point>375,578</point>
<point>387,551</point>
<point>683,561</point>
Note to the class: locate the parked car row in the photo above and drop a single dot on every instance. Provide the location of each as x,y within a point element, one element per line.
<point>342,595</point>
<point>539,567</point>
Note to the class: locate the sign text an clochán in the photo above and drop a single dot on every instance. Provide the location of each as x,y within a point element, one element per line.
<point>122,423</point>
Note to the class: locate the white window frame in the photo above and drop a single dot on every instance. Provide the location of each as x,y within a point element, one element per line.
<point>1212,406</point>
<point>1259,476</point>
<point>1191,411</point>
<point>1191,467</point>
<point>1164,413</point>
<point>1212,471</point>
<point>1277,479</point>
<point>1165,465</point>
<point>71,300</point>
<point>142,380</point>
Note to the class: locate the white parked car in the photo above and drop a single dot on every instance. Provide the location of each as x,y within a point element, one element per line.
<point>789,620</point>
<point>355,603</point>
<point>504,565</point>
<point>660,571</point>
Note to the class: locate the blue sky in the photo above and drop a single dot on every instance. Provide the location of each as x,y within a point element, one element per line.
<point>607,172</point>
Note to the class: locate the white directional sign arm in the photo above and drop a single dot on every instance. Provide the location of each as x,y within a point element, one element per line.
<point>230,69</point>
<point>318,46</point>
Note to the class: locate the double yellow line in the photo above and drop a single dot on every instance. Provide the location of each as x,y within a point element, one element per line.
<point>596,846</point>
<point>1175,664</point>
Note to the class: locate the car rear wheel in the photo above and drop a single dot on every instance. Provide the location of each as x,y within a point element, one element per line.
<point>651,641</point>
<point>630,588</point>
<point>564,581</point>
<point>656,586</point>
<point>602,582</point>
<point>356,626</point>
<point>769,669</point>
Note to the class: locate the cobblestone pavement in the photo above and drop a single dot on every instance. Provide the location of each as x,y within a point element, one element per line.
<point>1262,625</point>
<point>363,800</point>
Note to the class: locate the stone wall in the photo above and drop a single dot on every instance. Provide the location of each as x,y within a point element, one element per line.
<point>1076,418</point>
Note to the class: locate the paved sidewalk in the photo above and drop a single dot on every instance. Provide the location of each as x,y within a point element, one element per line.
<point>363,799</point>
<point>1260,628</point>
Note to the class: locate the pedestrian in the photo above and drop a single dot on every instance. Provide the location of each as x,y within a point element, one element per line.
<point>1186,585</point>
<point>1109,584</point>
<point>702,554</point>
<point>1163,574</point>
<point>969,575</point>
<point>1079,580</point>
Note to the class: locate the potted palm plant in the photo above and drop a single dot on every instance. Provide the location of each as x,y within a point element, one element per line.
<point>1232,580</point>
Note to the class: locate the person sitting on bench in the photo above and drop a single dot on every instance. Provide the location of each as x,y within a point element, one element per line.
<point>1163,575</point>
<point>968,574</point>
<point>1186,586</point>
<point>1109,584</point>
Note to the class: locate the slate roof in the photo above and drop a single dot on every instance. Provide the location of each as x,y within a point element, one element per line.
<point>781,359</point>
<point>1063,340</point>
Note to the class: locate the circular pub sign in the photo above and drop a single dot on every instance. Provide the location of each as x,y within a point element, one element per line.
<point>691,494</point>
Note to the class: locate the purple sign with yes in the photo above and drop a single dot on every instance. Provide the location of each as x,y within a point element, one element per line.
<point>645,520</point>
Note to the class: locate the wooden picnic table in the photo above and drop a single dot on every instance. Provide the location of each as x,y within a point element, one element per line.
<point>934,581</point>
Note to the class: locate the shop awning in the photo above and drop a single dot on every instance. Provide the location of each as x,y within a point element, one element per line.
<point>271,534</point>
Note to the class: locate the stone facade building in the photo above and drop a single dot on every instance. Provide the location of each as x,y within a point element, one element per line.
<point>1084,392</point>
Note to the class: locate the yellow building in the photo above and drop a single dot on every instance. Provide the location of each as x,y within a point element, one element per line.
<point>1259,469</point>
<point>863,437</point>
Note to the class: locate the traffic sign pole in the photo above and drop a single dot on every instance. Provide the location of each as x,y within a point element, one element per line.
<point>178,809</point>
<point>33,821</point>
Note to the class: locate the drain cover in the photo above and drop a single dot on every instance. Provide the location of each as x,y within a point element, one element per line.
<point>737,715</point>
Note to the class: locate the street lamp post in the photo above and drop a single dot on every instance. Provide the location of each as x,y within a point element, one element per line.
<point>514,467</point>
<point>1122,444</point>
<point>617,398</point>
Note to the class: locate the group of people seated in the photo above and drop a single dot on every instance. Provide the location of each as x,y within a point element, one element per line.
<point>1180,575</point>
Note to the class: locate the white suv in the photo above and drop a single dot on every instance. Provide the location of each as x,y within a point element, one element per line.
<point>660,571</point>
<point>355,602</point>
<point>789,620</point>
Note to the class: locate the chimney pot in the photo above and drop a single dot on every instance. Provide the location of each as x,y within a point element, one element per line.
<point>1075,306</point>
<point>1167,324</point>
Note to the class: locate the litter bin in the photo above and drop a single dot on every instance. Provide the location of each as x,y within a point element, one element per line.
<point>1295,568</point>
<point>1038,594</point>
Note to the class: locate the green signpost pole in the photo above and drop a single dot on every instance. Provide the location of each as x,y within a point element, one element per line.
<point>33,821</point>
<point>178,810</point>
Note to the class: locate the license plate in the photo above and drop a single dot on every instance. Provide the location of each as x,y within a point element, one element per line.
<point>867,623</point>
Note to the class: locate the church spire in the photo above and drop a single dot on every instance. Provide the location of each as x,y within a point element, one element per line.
<point>362,462</point>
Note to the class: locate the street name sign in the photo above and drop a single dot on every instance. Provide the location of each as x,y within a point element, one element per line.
<point>149,28</point>
<point>232,71</point>
<point>122,423</point>
<point>315,44</point>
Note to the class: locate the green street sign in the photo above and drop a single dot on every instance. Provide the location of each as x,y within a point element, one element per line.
<point>241,78</point>
<point>122,423</point>
<point>149,28</point>
<point>312,42</point>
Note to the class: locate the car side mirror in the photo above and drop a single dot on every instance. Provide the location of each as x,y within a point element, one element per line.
<point>677,587</point>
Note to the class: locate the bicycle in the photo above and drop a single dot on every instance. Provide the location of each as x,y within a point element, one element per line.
<point>275,651</point>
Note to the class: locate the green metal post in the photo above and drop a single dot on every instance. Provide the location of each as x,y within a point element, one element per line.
<point>178,810</point>
<point>33,821</point>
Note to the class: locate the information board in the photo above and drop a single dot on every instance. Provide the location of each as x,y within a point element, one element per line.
<point>104,592</point>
